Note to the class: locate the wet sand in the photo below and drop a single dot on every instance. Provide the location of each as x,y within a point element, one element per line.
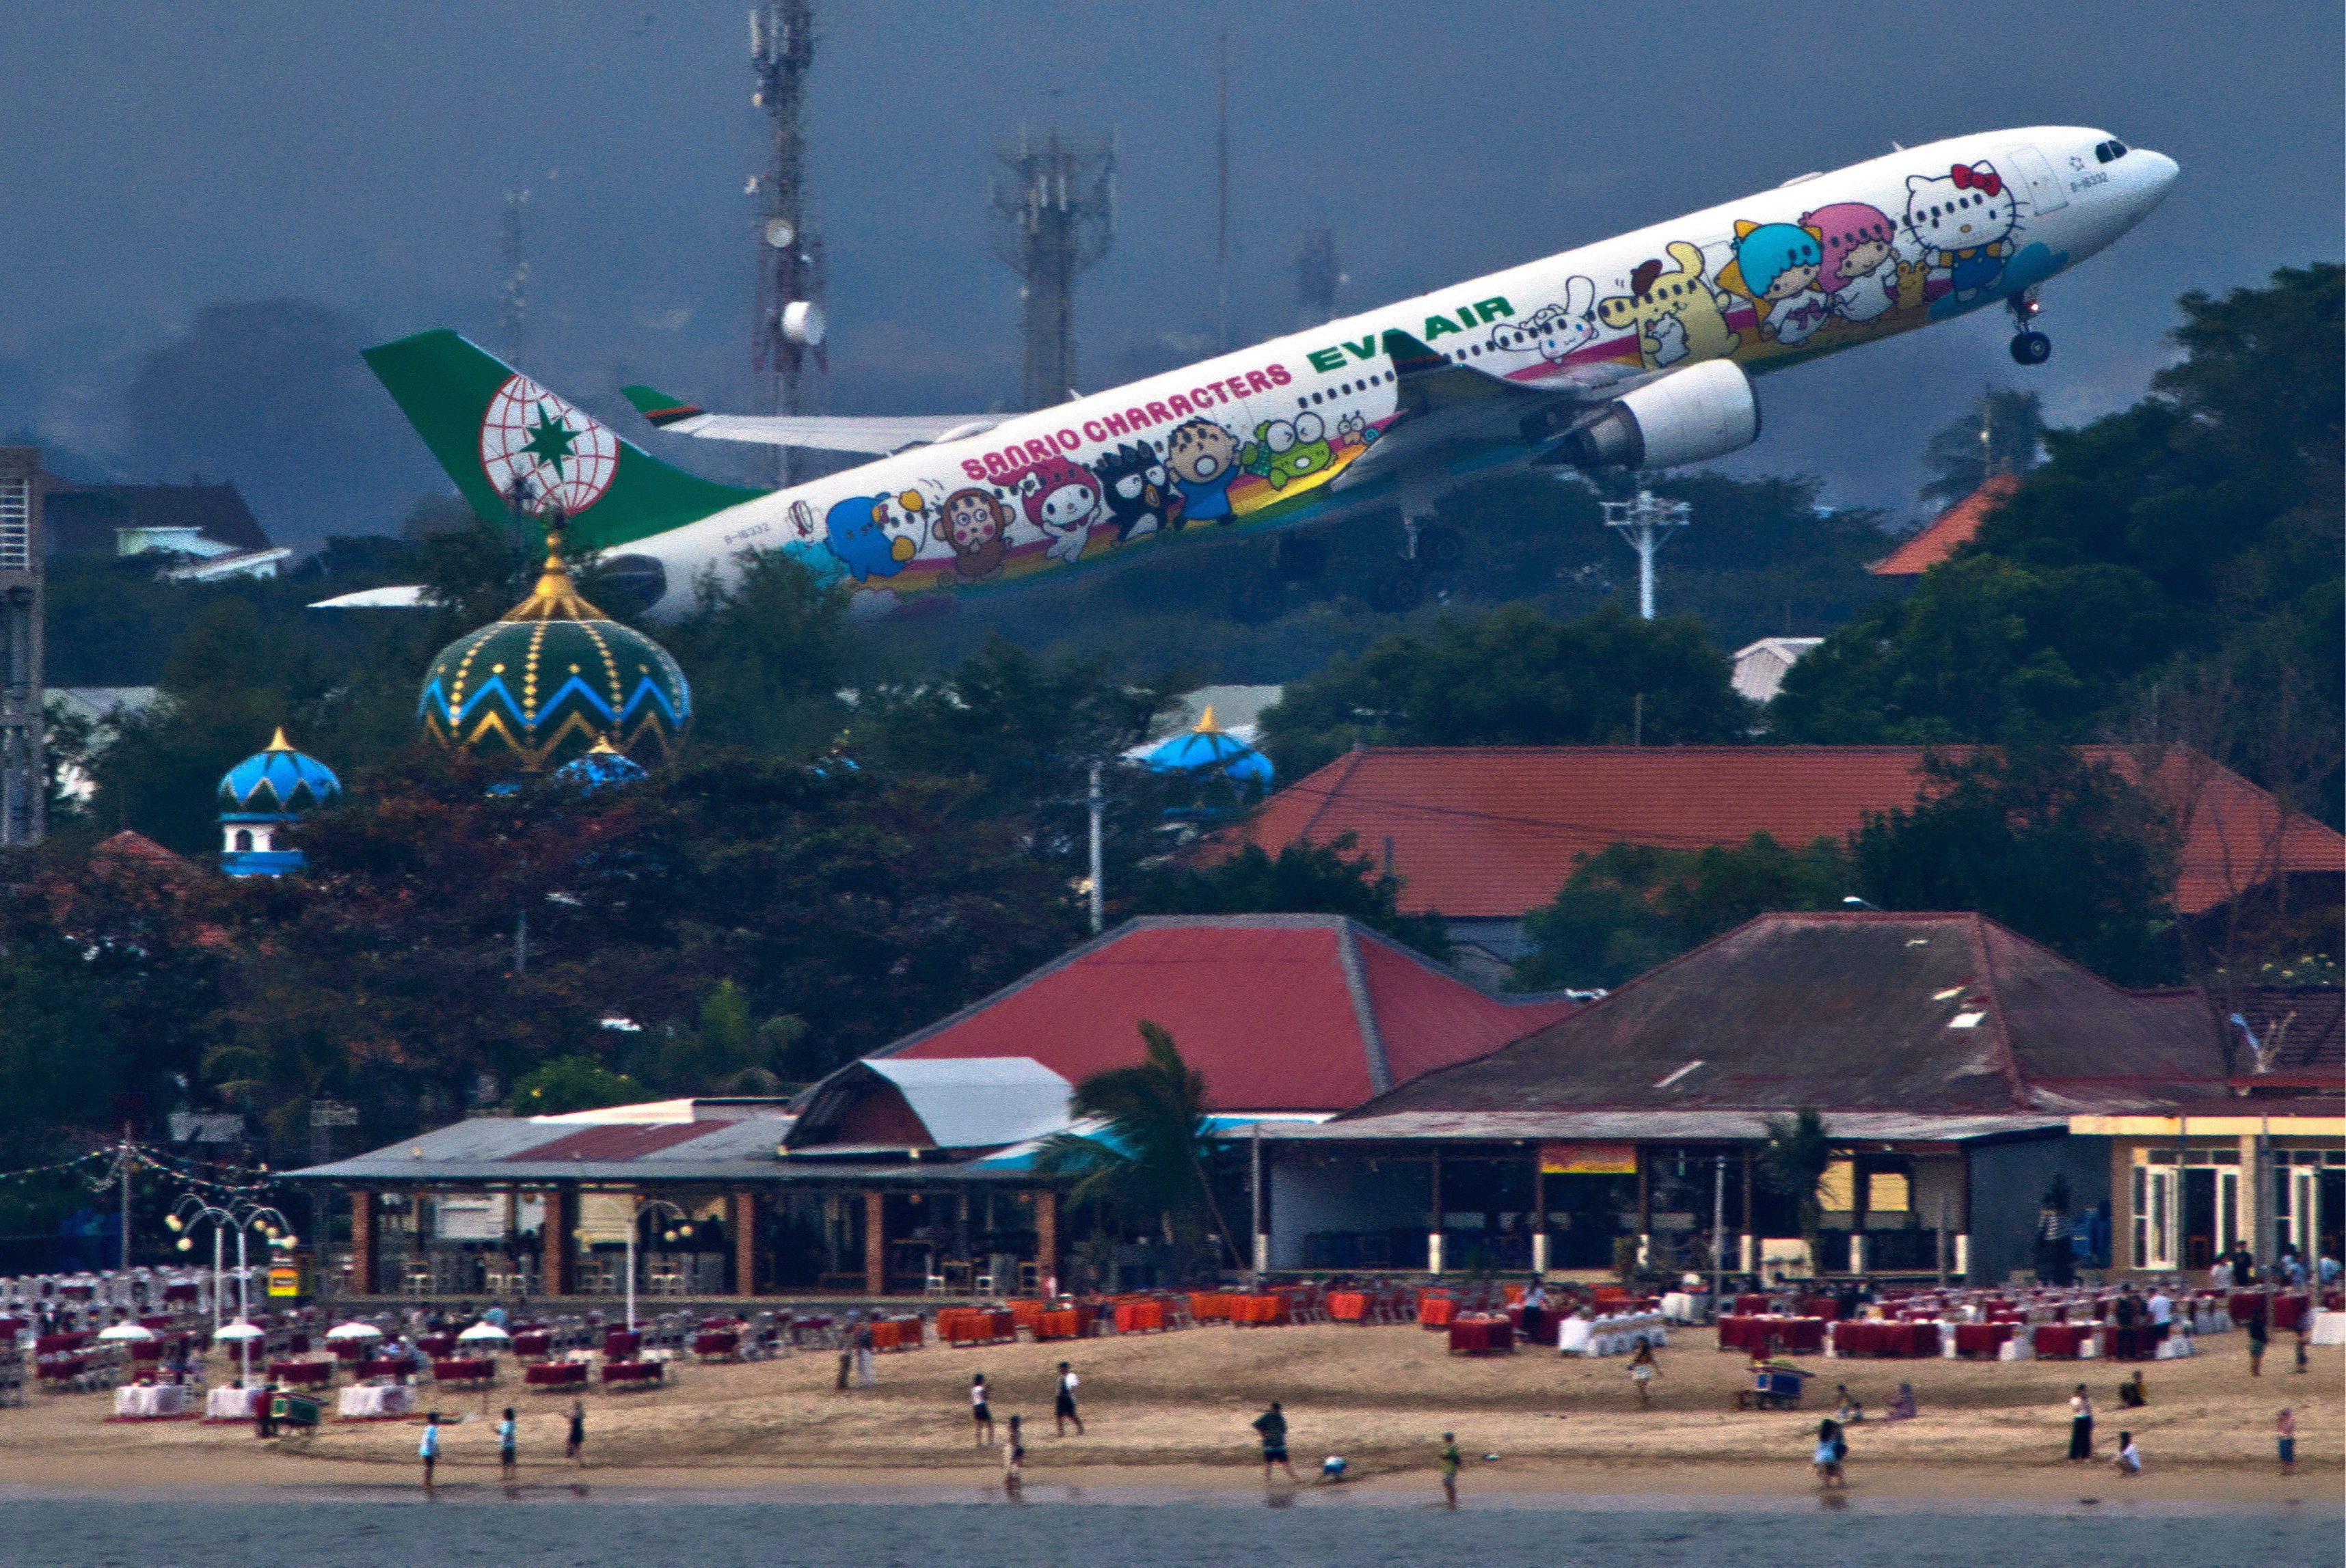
<point>1168,1415</point>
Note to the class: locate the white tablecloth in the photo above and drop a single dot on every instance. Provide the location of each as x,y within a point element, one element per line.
<point>162,1399</point>
<point>1685,1307</point>
<point>1615,1334</point>
<point>363,1400</point>
<point>2329,1328</point>
<point>230,1404</point>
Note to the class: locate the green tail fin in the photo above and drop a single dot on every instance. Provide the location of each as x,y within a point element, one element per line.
<point>657,406</point>
<point>490,427</point>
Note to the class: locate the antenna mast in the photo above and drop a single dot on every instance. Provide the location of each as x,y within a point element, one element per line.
<point>789,323</point>
<point>1318,275</point>
<point>1222,189</point>
<point>513,314</point>
<point>1058,219</point>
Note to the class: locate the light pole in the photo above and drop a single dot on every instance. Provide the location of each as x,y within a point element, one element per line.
<point>1718,1234</point>
<point>635,1220</point>
<point>191,1211</point>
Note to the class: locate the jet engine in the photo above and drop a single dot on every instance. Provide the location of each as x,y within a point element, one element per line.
<point>1702,412</point>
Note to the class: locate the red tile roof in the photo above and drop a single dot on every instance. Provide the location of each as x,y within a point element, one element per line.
<point>1949,532</point>
<point>1490,832</point>
<point>1287,1013</point>
<point>1860,1012</point>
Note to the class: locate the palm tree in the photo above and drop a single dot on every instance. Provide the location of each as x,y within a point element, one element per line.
<point>1799,1152</point>
<point>1149,1156</point>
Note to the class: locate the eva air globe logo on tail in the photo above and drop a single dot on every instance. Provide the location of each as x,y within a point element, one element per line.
<point>536,444</point>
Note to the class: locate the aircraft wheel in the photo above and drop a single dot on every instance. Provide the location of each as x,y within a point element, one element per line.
<point>2032,348</point>
<point>1440,549</point>
<point>1398,594</point>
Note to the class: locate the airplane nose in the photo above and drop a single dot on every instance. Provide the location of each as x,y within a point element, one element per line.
<point>2157,175</point>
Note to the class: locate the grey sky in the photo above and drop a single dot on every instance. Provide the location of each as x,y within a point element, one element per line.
<point>161,158</point>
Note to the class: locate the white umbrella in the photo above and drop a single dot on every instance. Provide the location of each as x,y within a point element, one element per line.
<point>353,1331</point>
<point>240,1330</point>
<point>127,1331</point>
<point>480,1333</point>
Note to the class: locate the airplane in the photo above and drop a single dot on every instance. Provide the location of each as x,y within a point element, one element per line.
<point>1637,352</point>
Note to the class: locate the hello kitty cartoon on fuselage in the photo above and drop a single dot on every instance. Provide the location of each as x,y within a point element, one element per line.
<point>1963,221</point>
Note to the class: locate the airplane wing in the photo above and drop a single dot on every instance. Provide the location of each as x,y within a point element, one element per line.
<point>1439,401</point>
<point>880,433</point>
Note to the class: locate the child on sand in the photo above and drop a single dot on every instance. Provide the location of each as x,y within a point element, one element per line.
<point>1064,1408</point>
<point>2285,1435</point>
<point>576,1448</point>
<point>1272,1426</point>
<point>1013,1462</point>
<point>981,1411</point>
<point>1643,1371</point>
<point>2129,1461</point>
<point>508,1442</point>
<point>428,1450</point>
<point>1450,1459</point>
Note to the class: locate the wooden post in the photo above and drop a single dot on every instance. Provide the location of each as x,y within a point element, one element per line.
<point>1751,1227</point>
<point>1047,1237</point>
<point>875,1244</point>
<point>363,1243</point>
<point>554,1243</point>
<point>1539,1213</point>
<point>742,1216</point>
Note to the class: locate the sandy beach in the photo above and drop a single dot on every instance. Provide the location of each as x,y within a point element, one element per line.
<point>1172,1411</point>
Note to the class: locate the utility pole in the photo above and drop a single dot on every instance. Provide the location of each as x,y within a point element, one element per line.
<point>790,324</point>
<point>1057,213</point>
<point>1097,803</point>
<point>1646,523</point>
<point>24,771</point>
<point>1222,191</point>
<point>513,312</point>
<point>1318,275</point>
<point>124,1163</point>
<point>1717,1235</point>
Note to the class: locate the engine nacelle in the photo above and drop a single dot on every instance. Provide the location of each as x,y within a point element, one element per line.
<point>1691,415</point>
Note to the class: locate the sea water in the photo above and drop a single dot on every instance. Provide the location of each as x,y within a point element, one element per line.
<point>541,1527</point>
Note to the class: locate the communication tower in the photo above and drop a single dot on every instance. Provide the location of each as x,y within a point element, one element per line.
<point>790,324</point>
<point>1222,191</point>
<point>512,313</point>
<point>1646,523</point>
<point>24,778</point>
<point>1058,218</point>
<point>1318,275</point>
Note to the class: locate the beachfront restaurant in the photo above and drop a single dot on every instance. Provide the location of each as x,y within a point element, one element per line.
<point>884,1184</point>
<point>1946,1055</point>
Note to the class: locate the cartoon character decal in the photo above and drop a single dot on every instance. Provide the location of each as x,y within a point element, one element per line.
<point>1284,451</point>
<point>1554,330</point>
<point>1062,500</point>
<point>1676,314</point>
<point>1776,267</point>
<point>1203,457</point>
<point>1963,221</point>
<point>1138,490</point>
<point>1861,275</point>
<point>1353,430</point>
<point>874,535</point>
<point>973,525</point>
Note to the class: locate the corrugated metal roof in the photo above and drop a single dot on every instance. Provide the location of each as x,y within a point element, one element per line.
<point>976,1102</point>
<point>1650,1127</point>
<point>626,1142</point>
<point>1490,832</point>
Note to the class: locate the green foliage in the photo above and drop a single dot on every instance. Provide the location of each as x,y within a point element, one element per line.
<point>1305,878</point>
<point>572,1084</point>
<point>2060,849</point>
<point>767,658</point>
<point>731,1052</point>
<point>1148,1162</point>
<point>1634,906</point>
<point>1513,677</point>
<point>2193,539</point>
<point>1793,1163</point>
<point>2002,436</point>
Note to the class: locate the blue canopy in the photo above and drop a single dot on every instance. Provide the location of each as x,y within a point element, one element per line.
<point>1209,747</point>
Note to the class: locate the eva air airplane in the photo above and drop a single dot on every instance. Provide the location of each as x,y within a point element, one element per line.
<point>1637,352</point>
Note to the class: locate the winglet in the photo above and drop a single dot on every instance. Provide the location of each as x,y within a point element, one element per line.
<point>658,406</point>
<point>1428,379</point>
<point>1408,356</point>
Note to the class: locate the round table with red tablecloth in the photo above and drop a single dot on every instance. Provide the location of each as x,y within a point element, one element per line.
<point>1983,1338</point>
<point>1801,1336</point>
<point>1481,1334</point>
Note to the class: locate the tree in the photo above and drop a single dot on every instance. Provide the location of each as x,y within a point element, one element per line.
<point>768,658</point>
<point>1148,1158</point>
<point>1513,677</point>
<point>1304,878</point>
<point>2059,849</point>
<point>1798,1154</point>
<point>572,1084</point>
<point>1633,907</point>
<point>2001,434</point>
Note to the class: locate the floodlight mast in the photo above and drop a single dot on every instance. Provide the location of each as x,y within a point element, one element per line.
<point>1645,523</point>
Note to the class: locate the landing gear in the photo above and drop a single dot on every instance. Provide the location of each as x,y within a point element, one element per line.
<point>1397,593</point>
<point>1440,549</point>
<point>2029,346</point>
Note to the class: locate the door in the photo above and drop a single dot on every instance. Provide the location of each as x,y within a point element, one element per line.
<point>2044,192</point>
<point>2199,1236</point>
<point>2229,1228</point>
<point>2154,1217</point>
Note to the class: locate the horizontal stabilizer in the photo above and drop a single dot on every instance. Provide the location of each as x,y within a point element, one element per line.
<point>879,434</point>
<point>404,596</point>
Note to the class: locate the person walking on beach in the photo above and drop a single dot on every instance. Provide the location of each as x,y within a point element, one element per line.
<point>2257,1334</point>
<point>1830,1450</point>
<point>508,1444</point>
<point>2285,1437</point>
<point>1064,1408</point>
<point>575,1449</point>
<point>1450,1459</point>
<point>1013,1462</point>
<point>2304,1327</point>
<point>2129,1461</point>
<point>867,1363</point>
<point>2081,1424</point>
<point>981,1411</point>
<point>428,1450</point>
<point>1272,1426</point>
<point>1643,1369</point>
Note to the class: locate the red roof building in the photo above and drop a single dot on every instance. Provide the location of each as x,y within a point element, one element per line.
<point>1281,1012</point>
<point>1484,834</point>
<point>1949,532</point>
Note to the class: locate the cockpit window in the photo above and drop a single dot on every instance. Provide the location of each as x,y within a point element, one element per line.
<point>2104,152</point>
<point>2118,149</point>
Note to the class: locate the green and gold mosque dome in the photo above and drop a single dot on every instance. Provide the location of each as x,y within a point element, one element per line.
<point>553,679</point>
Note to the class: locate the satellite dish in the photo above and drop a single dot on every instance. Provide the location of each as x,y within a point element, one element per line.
<point>803,322</point>
<point>778,233</point>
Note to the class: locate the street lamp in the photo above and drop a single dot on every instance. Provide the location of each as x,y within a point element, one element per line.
<point>191,1211</point>
<point>644,1206</point>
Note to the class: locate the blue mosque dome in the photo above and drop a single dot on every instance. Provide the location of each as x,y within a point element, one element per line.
<point>260,797</point>
<point>1210,749</point>
<point>603,766</point>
